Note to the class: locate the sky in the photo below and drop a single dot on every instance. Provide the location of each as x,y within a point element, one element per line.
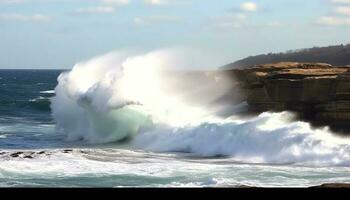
<point>56,34</point>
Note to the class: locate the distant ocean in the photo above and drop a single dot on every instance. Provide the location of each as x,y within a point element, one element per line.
<point>262,151</point>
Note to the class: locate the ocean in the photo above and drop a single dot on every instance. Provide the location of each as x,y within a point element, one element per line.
<point>43,143</point>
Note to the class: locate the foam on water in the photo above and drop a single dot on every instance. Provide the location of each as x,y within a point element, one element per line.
<point>118,167</point>
<point>119,96</point>
<point>269,138</point>
<point>47,92</point>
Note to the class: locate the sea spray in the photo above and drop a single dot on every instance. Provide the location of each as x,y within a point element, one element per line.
<point>270,138</point>
<point>118,96</point>
<point>92,97</point>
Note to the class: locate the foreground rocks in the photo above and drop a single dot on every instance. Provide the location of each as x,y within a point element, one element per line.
<point>317,92</point>
<point>30,154</point>
<point>333,185</point>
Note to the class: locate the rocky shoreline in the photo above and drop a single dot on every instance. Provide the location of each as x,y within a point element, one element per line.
<point>316,92</point>
<point>32,154</point>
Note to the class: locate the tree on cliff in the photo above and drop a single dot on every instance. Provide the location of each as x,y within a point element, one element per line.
<point>338,55</point>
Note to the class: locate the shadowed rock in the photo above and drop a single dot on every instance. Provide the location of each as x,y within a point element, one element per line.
<point>333,185</point>
<point>317,92</point>
<point>31,154</point>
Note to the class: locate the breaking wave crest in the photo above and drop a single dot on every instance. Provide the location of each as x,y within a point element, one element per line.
<point>270,138</point>
<point>121,95</point>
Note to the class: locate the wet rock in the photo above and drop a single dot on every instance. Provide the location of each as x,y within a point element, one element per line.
<point>333,185</point>
<point>67,151</point>
<point>16,154</point>
<point>246,186</point>
<point>28,156</point>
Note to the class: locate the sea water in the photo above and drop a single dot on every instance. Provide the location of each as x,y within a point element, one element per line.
<point>99,125</point>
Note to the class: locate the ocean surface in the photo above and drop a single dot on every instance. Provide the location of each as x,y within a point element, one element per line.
<point>265,151</point>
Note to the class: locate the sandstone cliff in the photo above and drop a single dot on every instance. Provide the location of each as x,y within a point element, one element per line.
<point>318,92</point>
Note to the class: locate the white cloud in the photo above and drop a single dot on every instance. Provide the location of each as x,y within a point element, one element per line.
<point>95,10</point>
<point>155,19</point>
<point>249,7</point>
<point>344,10</point>
<point>156,2</point>
<point>25,18</point>
<point>12,1</point>
<point>338,16</point>
<point>333,21</point>
<point>116,2</point>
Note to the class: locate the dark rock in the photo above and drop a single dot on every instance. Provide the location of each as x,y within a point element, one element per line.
<point>317,92</point>
<point>15,155</point>
<point>28,156</point>
<point>333,185</point>
<point>67,150</point>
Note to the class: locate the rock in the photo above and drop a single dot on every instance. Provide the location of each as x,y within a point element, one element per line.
<point>333,185</point>
<point>16,154</point>
<point>28,156</point>
<point>317,92</point>
<point>41,152</point>
<point>67,150</point>
<point>245,186</point>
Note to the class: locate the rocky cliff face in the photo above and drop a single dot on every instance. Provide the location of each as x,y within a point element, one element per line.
<point>318,92</point>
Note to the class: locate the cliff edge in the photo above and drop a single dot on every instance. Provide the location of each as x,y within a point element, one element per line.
<point>317,92</point>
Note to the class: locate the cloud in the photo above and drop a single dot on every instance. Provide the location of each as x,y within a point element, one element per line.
<point>116,2</point>
<point>155,19</point>
<point>238,19</point>
<point>249,7</point>
<point>344,10</point>
<point>333,21</point>
<point>156,2</point>
<point>105,7</point>
<point>95,10</point>
<point>25,18</point>
<point>166,2</point>
<point>338,16</point>
<point>12,1</point>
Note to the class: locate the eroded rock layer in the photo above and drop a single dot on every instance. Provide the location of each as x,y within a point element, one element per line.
<point>316,91</point>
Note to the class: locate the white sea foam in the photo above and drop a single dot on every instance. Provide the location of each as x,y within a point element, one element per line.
<point>118,95</point>
<point>117,167</point>
<point>110,97</point>
<point>48,92</point>
<point>40,98</point>
<point>269,138</point>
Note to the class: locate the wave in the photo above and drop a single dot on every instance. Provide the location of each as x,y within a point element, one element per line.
<point>36,104</point>
<point>47,92</point>
<point>119,96</point>
<point>271,138</point>
<point>39,103</point>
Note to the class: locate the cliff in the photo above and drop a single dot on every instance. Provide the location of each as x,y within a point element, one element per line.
<point>317,92</point>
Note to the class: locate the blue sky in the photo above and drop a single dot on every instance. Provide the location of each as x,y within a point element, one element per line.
<point>59,33</point>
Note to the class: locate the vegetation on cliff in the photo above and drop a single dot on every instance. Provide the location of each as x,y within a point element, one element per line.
<point>338,55</point>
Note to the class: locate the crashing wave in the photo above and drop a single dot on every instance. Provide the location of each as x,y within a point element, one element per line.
<point>118,96</point>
